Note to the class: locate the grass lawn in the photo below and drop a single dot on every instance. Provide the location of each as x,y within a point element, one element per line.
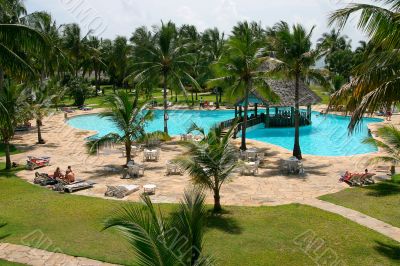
<point>242,236</point>
<point>13,150</point>
<point>321,92</point>
<point>9,263</point>
<point>380,201</point>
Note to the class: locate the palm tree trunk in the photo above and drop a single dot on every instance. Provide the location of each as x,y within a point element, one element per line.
<point>165,104</point>
<point>176,96</point>
<point>96,81</point>
<point>196,96</point>
<point>216,99</point>
<point>128,149</point>
<point>296,148</point>
<point>192,98</point>
<point>39,132</point>
<point>244,124</point>
<point>8,155</point>
<point>217,200</point>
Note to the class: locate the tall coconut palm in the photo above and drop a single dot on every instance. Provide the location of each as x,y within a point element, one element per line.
<point>94,60</point>
<point>332,42</point>
<point>294,60</point>
<point>389,141</point>
<point>211,162</point>
<point>39,101</point>
<point>372,87</point>
<point>158,241</point>
<point>73,43</point>
<point>130,119</point>
<point>239,69</point>
<point>167,59</point>
<point>12,113</point>
<point>213,44</point>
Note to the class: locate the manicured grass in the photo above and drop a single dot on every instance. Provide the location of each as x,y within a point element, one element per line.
<point>321,92</point>
<point>13,150</point>
<point>241,236</point>
<point>380,201</point>
<point>9,263</point>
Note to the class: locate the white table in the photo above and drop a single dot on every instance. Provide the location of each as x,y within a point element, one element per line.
<point>149,189</point>
<point>292,164</point>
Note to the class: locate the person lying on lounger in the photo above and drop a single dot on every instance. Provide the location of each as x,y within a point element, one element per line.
<point>58,174</point>
<point>69,175</point>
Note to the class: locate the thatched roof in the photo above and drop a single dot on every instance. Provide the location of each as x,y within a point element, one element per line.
<point>284,89</point>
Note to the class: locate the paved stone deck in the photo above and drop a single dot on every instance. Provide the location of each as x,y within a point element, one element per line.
<point>38,257</point>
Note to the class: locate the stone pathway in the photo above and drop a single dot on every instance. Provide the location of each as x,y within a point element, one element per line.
<point>358,217</point>
<point>37,257</point>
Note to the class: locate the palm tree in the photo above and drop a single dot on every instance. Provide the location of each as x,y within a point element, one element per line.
<point>158,241</point>
<point>14,40</point>
<point>164,58</point>
<point>74,45</point>
<point>372,87</point>
<point>213,44</point>
<point>210,163</point>
<point>294,60</point>
<point>332,42</point>
<point>239,68</point>
<point>39,103</point>
<point>11,113</point>
<point>94,60</point>
<point>389,142</point>
<point>130,119</point>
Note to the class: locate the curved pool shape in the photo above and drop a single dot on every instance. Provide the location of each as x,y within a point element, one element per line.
<point>327,136</point>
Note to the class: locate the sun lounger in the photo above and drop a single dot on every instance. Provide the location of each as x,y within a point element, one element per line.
<point>367,179</point>
<point>125,190</point>
<point>352,179</point>
<point>37,162</point>
<point>44,179</point>
<point>62,186</point>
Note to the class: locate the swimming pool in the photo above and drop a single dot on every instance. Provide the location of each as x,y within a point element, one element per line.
<point>327,136</point>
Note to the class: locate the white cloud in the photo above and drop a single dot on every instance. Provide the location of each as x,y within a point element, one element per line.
<point>122,16</point>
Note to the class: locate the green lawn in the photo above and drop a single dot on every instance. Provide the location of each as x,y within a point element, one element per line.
<point>241,236</point>
<point>381,201</point>
<point>13,150</point>
<point>8,263</point>
<point>321,92</point>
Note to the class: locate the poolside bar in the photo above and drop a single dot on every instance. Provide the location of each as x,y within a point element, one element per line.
<point>279,113</point>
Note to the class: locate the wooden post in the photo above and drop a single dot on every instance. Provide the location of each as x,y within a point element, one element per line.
<point>236,111</point>
<point>267,116</point>
<point>240,111</point>
<point>255,110</point>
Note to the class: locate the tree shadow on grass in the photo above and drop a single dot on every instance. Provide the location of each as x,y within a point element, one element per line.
<point>224,222</point>
<point>388,250</point>
<point>383,189</point>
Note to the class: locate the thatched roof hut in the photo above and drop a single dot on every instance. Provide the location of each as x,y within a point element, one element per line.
<point>284,89</point>
<point>283,112</point>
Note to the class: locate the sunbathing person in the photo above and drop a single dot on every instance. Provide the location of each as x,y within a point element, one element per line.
<point>69,175</point>
<point>58,174</point>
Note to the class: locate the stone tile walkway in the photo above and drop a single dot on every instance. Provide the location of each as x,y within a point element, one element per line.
<point>37,257</point>
<point>358,217</point>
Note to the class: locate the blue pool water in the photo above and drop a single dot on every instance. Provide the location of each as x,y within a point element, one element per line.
<point>327,136</point>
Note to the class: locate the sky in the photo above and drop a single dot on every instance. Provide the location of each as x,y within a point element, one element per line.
<point>109,18</point>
